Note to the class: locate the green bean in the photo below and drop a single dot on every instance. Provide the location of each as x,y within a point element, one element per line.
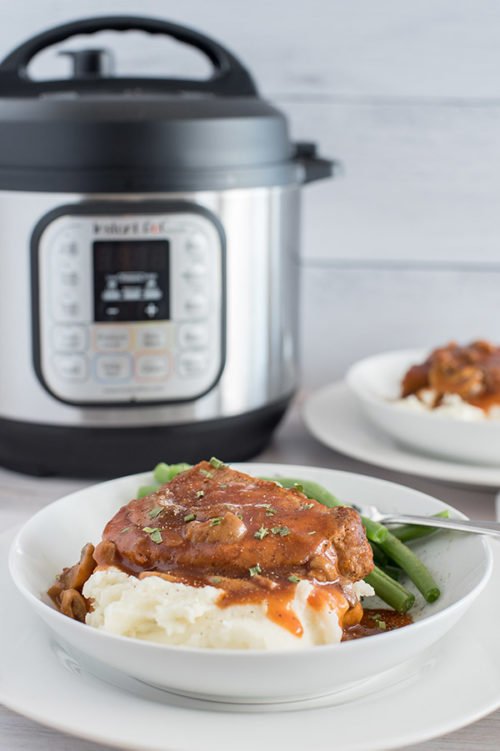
<point>393,571</point>
<point>374,531</point>
<point>146,490</point>
<point>413,566</point>
<point>408,532</point>
<point>390,591</point>
<point>166,472</point>
<point>383,561</point>
<point>379,557</point>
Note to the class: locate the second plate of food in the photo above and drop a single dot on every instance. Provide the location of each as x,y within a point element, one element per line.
<point>254,517</point>
<point>440,403</point>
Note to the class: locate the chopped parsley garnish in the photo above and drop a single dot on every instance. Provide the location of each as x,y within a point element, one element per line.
<point>240,517</point>
<point>378,621</point>
<point>155,511</point>
<point>154,533</point>
<point>293,578</point>
<point>255,570</point>
<point>215,579</point>
<point>312,533</point>
<point>298,486</point>
<point>216,463</point>
<point>125,529</point>
<point>223,485</point>
<point>271,512</point>
<point>215,520</point>
<point>206,474</point>
<point>261,533</point>
<point>307,506</point>
<point>200,493</point>
<point>282,531</point>
<point>189,517</point>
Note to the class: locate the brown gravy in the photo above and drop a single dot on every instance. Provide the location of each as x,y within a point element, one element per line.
<point>376,621</point>
<point>472,372</point>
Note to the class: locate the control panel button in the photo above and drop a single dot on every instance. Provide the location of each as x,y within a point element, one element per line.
<point>113,367</point>
<point>69,338</point>
<point>193,335</point>
<point>69,278</point>
<point>196,247</point>
<point>112,338</point>
<point>152,367</point>
<point>71,367</point>
<point>192,364</point>
<point>66,306</point>
<point>64,249</point>
<point>194,272</point>
<point>151,336</point>
<point>65,256</point>
<point>196,306</point>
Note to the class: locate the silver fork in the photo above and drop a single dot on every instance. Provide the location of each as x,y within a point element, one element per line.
<point>462,525</point>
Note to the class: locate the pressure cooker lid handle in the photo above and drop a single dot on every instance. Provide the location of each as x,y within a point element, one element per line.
<point>229,77</point>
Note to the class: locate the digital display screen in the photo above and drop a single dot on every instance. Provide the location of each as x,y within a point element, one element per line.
<point>131,280</point>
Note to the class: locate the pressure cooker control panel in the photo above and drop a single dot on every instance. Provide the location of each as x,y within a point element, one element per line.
<point>130,305</point>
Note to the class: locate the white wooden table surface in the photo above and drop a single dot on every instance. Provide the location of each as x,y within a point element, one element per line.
<point>21,496</point>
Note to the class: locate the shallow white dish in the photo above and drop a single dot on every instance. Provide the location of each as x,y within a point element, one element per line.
<point>334,416</point>
<point>55,535</point>
<point>40,681</point>
<point>376,383</point>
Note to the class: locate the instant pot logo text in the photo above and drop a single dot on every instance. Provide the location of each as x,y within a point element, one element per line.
<point>113,227</point>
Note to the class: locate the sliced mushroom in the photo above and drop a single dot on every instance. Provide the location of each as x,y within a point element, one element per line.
<point>76,576</point>
<point>73,605</point>
<point>105,553</point>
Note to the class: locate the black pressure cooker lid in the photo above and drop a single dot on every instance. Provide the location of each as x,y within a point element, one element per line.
<point>99,133</point>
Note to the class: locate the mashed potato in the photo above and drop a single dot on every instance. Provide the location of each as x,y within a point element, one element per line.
<point>452,405</point>
<point>167,612</point>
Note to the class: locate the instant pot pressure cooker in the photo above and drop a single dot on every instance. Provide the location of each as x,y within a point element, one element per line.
<point>148,261</point>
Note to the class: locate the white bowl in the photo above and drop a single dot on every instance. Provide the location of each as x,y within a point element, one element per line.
<point>53,538</point>
<point>376,382</point>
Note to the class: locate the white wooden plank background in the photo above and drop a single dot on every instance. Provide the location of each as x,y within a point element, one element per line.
<point>391,48</point>
<point>421,182</point>
<point>349,313</point>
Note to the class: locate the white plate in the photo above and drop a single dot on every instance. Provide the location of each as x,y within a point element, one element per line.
<point>376,383</point>
<point>54,537</point>
<point>334,417</point>
<point>39,681</point>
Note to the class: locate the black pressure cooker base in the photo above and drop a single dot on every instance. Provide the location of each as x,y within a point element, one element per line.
<point>46,450</point>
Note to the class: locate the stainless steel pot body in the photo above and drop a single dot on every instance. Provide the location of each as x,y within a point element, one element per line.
<point>261,227</point>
